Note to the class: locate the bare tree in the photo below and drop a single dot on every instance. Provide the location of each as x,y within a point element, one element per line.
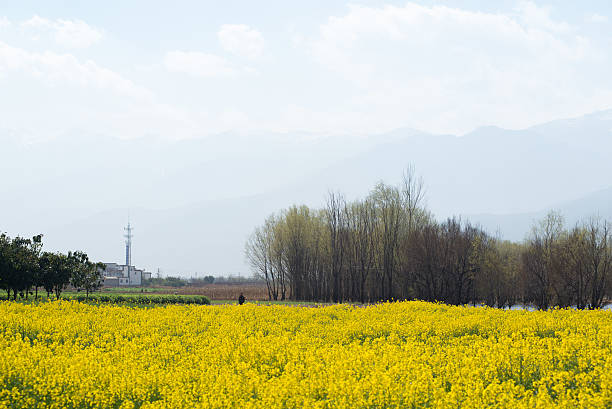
<point>388,246</point>
<point>258,251</point>
<point>389,209</point>
<point>538,260</point>
<point>413,195</point>
<point>598,241</point>
<point>335,224</point>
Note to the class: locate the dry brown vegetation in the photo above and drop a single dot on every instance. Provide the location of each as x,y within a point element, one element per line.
<point>252,292</point>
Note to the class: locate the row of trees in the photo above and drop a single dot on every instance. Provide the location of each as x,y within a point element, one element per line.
<point>25,268</point>
<point>388,246</point>
<point>171,281</point>
<point>568,267</point>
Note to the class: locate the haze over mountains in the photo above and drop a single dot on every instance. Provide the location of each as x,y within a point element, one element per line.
<point>194,202</point>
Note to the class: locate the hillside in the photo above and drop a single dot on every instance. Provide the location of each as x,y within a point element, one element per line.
<point>516,226</point>
<point>194,202</point>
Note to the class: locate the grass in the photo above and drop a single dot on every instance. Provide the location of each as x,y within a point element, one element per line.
<point>285,302</point>
<point>134,290</point>
<point>219,291</point>
<point>139,298</point>
<point>119,298</point>
<point>225,291</point>
<point>166,295</point>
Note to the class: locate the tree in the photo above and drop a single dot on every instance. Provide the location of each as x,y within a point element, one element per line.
<point>388,246</point>
<point>462,245</point>
<point>335,225</point>
<point>59,272</point>
<point>79,267</point>
<point>36,248</point>
<point>413,195</point>
<point>426,250</point>
<point>24,266</point>
<point>94,277</point>
<point>19,264</point>
<point>569,280</point>
<point>501,273</point>
<point>388,205</point>
<point>539,259</point>
<point>361,222</point>
<point>46,271</point>
<point>258,251</point>
<point>598,260</point>
<point>5,263</point>
<point>86,275</point>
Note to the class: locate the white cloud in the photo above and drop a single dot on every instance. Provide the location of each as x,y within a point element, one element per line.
<point>241,40</point>
<point>449,70</point>
<point>533,15</point>
<point>84,95</point>
<point>67,33</point>
<point>37,22</point>
<point>55,69</point>
<point>199,64</point>
<point>597,18</point>
<point>4,22</point>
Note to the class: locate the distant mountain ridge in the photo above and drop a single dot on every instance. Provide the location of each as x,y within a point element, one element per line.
<point>194,202</point>
<point>516,226</point>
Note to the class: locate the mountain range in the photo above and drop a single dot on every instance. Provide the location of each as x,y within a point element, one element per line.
<point>194,202</point>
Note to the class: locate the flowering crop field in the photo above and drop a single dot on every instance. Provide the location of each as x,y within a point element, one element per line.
<point>395,355</point>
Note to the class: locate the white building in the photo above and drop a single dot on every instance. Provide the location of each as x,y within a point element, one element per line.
<point>120,275</point>
<point>125,274</point>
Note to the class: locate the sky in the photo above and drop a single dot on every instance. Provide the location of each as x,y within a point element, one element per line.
<point>190,114</point>
<point>189,69</point>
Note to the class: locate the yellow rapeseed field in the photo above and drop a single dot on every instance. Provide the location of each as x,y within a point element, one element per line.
<point>394,355</point>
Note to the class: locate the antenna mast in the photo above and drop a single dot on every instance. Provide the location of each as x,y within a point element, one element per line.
<point>128,244</point>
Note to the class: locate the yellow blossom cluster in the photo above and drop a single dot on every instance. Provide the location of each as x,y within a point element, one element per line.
<point>393,355</point>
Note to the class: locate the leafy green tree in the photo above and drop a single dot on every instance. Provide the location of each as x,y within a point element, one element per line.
<point>86,274</point>
<point>78,275</point>
<point>60,270</point>
<point>36,249</point>
<point>46,263</point>
<point>93,277</point>
<point>22,265</point>
<point>5,266</point>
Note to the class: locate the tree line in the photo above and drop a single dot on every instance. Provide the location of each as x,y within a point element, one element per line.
<point>388,246</point>
<point>176,281</point>
<point>25,268</point>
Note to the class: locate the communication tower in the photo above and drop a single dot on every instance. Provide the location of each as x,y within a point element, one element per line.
<point>128,244</point>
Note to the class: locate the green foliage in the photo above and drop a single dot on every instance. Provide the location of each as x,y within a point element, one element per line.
<point>147,299</point>
<point>133,299</point>
<point>24,267</point>
<point>19,268</point>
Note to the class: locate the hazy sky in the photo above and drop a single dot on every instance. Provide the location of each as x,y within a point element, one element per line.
<point>190,68</point>
<point>270,73</point>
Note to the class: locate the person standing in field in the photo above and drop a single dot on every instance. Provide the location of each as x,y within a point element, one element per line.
<point>241,299</point>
